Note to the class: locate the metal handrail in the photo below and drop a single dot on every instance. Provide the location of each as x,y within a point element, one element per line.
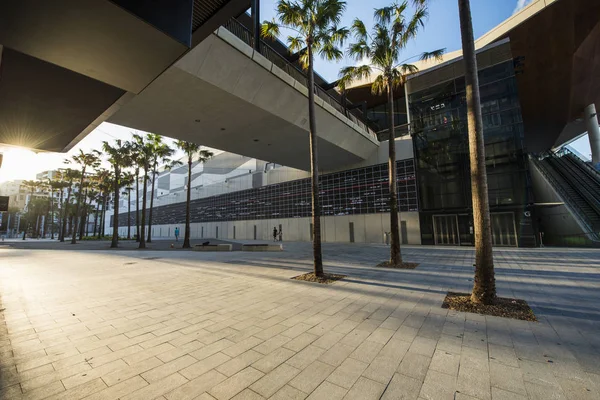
<point>590,169</point>
<point>243,33</point>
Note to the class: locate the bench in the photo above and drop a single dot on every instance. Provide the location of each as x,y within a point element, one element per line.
<point>262,247</point>
<point>213,247</point>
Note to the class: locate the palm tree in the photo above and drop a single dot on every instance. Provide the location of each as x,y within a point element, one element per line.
<point>104,184</point>
<point>135,157</point>
<point>144,156</point>
<point>85,161</point>
<point>119,157</point>
<point>192,151</point>
<point>33,186</point>
<point>128,179</point>
<point>161,152</point>
<point>314,24</point>
<point>484,285</point>
<point>54,184</point>
<point>383,48</point>
<point>69,176</point>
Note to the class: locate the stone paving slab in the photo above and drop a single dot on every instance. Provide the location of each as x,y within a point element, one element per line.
<point>85,324</point>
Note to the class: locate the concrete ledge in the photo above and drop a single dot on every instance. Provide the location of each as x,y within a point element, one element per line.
<point>213,247</point>
<point>262,247</point>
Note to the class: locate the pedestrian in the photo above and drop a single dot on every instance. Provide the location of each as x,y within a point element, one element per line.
<point>274,233</point>
<point>177,234</point>
<point>280,235</point>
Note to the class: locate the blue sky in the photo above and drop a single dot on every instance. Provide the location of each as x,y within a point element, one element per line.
<point>442,29</point>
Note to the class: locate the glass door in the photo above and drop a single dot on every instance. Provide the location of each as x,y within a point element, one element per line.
<point>445,230</point>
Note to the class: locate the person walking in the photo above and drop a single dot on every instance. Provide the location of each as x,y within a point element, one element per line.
<point>281,234</point>
<point>177,234</point>
<point>274,233</point>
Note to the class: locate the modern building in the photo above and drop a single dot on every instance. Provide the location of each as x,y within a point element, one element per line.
<point>215,85</point>
<point>241,197</point>
<point>16,192</point>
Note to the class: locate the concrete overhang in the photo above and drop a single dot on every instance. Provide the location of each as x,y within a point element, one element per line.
<point>224,95</point>
<point>66,65</point>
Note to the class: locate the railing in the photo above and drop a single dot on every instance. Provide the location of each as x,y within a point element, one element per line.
<point>558,186</point>
<point>277,59</point>
<point>565,150</point>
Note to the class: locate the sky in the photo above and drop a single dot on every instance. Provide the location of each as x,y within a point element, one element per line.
<point>441,31</point>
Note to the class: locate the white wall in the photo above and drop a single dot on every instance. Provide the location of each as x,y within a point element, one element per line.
<point>368,228</point>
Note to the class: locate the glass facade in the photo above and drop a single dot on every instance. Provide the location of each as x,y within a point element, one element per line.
<point>357,191</point>
<point>379,115</point>
<point>439,127</point>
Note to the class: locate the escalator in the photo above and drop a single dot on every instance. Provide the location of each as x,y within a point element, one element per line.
<point>578,184</point>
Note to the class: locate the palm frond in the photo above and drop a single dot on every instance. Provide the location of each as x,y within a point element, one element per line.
<point>330,52</point>
<point>353,73</point>
<point>296,43</point>
<point>360,30</point>
<point>290,13</point>
<point>379,85</point>
<point>359,50</point>
<point>437,55</point>
<point>270,29</point>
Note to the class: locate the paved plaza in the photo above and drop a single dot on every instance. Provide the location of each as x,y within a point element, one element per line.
<point>130,324</point>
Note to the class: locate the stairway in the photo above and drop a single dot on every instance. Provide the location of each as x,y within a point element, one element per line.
<point>578,183</point>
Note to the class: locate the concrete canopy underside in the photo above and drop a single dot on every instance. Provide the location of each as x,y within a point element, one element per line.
<point>560,49</point>
<point>222,95</point>
<point>67,65</point>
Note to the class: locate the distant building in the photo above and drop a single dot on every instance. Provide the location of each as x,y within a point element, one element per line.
<point>16,192</point>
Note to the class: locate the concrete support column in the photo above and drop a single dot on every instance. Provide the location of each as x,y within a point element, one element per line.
<point>591,122</point>
<point>256,23</point>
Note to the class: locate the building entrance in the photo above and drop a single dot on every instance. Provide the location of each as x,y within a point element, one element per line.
<point>445,230</point>
<point>504,232</point>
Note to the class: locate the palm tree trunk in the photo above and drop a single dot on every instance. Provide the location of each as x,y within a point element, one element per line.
<point>52,213</point>
<point>63,229</point>
<point>103,216</point>
<point>37,226</point>
<point>137,204</point>
<point>129,213</point>
<point>151,206</point>
<point>96,220</point>
<point>484,286</point>
<point>77,207</point>
<point>395,255</point>
<point>186,239</point>
<point>83,217</point>
<point>115,236</point>
<point>143,223</point>
<point>314,168</point>
<point>60,222</point>
<point>46,218</point>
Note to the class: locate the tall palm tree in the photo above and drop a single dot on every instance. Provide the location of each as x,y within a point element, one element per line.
<point>135,152</point>
<point>86,161</point>
<point>104,184</point>
<point>33,187</point>
<point>314,24</point>
<point>144,157</point>
<point>161,152</point>
<point>384,47</point>
<point>54,184</point>
<point>193,153</point>
<point>69,176</point>
<point>484,285</point>
<point>128,179</point>
<point>119,158</point>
